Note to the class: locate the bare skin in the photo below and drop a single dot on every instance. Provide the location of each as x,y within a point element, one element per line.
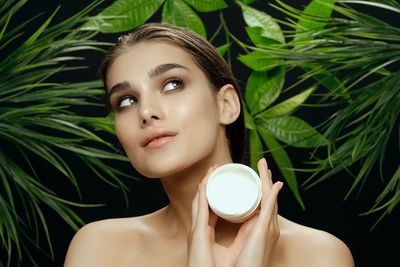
<point>177,101</point>
<point>160,239</point>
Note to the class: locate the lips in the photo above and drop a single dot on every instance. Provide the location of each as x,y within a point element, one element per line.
<point>157,138</point>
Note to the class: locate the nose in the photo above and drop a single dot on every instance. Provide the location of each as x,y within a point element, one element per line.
<point>149,111</point>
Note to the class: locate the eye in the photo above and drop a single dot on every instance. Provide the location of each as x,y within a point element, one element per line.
<point>127,101</point>
<point>173,84</point>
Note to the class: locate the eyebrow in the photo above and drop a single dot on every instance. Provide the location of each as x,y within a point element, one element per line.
<point>117,88</point>
<point>158,70</point>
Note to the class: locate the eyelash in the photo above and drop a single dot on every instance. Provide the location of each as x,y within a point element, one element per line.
<point>179,84</point>
<point>123,98</point>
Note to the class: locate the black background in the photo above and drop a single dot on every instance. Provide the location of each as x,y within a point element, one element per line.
<point>325,208</point>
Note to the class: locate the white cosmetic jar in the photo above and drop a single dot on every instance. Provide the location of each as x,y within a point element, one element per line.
<point>234,192</point>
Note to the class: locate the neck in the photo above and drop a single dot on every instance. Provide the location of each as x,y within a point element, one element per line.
<point>182,188</point>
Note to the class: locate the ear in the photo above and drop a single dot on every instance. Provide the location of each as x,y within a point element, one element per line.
<point>228,104</point>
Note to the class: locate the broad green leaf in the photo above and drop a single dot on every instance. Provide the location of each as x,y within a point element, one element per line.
<point>256,148</point>
<point>207,5</point>
<point>314,15</point>
<point>248,120</point>
<point>248,1</point>
<point>123,15</point>
<point>263,88</point>
<point>283,162</point>
<point>256,18</point>
<point>179,13</point>
<point>260,61</point>
<point>224,48</point>
<point>255,34</point>
<point>292,131</point>
<point>288,106</point>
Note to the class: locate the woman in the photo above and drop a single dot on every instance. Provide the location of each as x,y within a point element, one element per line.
<point>178,115</point>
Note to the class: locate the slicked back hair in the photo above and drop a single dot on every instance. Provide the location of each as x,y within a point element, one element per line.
<point>203,53</point>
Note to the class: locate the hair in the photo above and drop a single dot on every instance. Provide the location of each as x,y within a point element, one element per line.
<point>203,53</point>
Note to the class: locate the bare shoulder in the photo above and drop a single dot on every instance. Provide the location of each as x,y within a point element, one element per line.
<point>106,242</point>
<point>313,247</point>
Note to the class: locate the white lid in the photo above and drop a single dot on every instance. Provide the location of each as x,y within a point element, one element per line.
<point>233,191</point>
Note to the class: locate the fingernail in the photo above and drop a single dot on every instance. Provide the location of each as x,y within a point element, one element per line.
<point>280,185</point>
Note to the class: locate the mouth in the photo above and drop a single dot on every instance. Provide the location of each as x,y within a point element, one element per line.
<point>158,139</point>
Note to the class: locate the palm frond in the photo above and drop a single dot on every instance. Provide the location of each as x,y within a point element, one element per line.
<point>362,53</point>
<point>40,125</point>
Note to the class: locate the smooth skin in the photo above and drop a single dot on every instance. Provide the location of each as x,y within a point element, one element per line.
<point>156,89</point>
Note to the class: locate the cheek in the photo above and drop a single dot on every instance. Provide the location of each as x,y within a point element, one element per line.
<point>200,121</point>
<point>125,131</point>
<point>127,136</point>
<point>200,112</point>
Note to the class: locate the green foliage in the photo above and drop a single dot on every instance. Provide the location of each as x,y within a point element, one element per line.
<point>346,61</point>
<point>40,129</point>
<point>264,86</point>
<point>350,57</point>
<point>124,15</point>
<point>179,13</point>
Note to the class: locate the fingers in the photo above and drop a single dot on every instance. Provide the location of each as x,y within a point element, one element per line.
<point>203,211</point>
<point>199,241</point>
<point>270,190</point>
<point>200,211</point>
<point>265,174</point>
<point>270,204</point>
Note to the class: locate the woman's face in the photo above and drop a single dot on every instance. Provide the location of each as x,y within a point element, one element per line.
<point>166,113</point>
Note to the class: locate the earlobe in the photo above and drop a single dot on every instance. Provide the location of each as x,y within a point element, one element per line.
<point>229,104</point>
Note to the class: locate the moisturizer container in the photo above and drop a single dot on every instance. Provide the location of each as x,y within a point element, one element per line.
<point>234,192</point>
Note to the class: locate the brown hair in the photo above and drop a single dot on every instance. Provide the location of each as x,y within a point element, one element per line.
<point>204,55</point>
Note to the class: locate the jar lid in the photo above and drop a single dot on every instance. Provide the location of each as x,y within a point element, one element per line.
<point>233,191</point>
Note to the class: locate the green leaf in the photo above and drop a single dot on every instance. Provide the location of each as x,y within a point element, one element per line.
<point>91,152</point>
<point>249,123</point>
<point>288,106</point>
<point>39,31</point>
<point>333,84</point>
<point>292,131</point>
<point>179,13</point>
<point>260,60</point>
<point>123,15</point>
<point>248,1</point>
<point>207,5</point>
<point>256,18</point>
<point>256,148</point>
<point>224,48</point>
<point>263,88</point>
<point>315,15</point>
<point>283,162</point>
<point>3,30</point>
<point>255,34</point>
<point>38,119</point>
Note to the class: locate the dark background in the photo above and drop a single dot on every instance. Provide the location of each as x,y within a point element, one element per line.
<point>325,208</point>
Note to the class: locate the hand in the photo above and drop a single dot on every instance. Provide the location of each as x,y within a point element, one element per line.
<point>258,237</point>
<point>255,241</point>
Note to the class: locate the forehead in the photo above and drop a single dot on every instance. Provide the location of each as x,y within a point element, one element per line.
<point>138,59</point>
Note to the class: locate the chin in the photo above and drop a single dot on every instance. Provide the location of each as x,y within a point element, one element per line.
<point>168,165</point>
<point>158,167</point>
